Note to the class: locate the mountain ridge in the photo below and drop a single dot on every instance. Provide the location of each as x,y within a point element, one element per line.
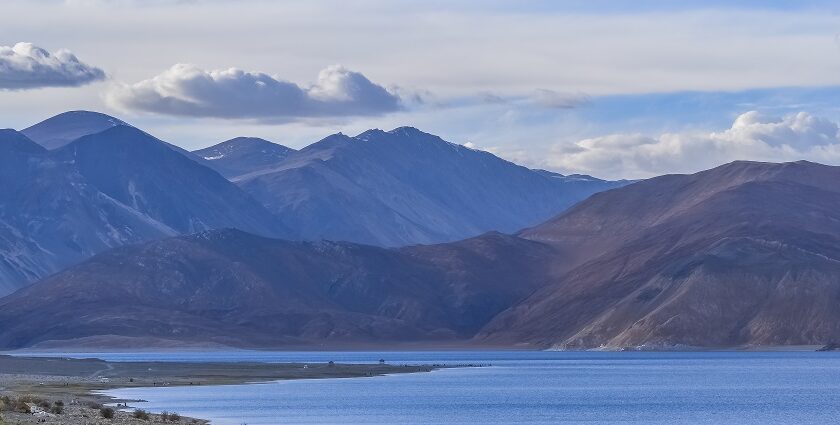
<point>714,259</point>
<point>743,255</point>
<point>407,187</point>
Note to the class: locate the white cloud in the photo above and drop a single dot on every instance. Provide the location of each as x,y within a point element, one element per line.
<point>26,66</point>
<point>187,90</point>
<point>751,137</point>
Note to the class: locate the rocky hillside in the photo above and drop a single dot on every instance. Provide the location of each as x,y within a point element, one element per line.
<point>743,254</point>
<point>229,287</point>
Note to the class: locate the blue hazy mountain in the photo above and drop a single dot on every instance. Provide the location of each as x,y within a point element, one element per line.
<point>104,190</point>
<point>66,127</point>
<point>405,186</point>
<point>243,155</point>
<point>115,184</point>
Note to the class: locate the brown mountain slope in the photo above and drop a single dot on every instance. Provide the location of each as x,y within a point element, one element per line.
<point>238,289</point>
<point>744,254</point>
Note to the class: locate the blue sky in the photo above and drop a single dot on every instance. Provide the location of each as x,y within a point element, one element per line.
<point>610,88</point>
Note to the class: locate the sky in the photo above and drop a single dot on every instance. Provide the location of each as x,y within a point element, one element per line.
<point>615,89</point>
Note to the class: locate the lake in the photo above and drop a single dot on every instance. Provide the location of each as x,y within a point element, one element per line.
<point>519,388</point>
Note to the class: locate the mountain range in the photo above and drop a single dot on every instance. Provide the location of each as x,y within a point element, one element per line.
<point>395,188</point>
<point>61,206</point>
<point>82,182</point>
<point>746,254</point>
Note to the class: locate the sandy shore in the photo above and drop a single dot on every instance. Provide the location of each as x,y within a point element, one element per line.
<point>68,385</point>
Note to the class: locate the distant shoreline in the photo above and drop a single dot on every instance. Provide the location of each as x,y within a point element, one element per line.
<point>77,383</point>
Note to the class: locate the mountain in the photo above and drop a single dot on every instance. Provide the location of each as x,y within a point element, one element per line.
<point>407,187</point>
<point>746,254</point>
<point>50,217</point>
<point>233,288</point>
<point>743,254</point>
<point>177,192</point>
<point>243,155</point>
<point>66,127</point>
<point>120,186</point>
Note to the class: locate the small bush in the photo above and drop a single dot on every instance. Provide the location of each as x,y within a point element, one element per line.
<point>174,417</point>
<point>106,412</point>
<point>59,403</point>
<point>141,414</point>
<point>57,410</point>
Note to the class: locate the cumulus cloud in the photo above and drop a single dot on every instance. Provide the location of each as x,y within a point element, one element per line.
<point>26,66</point>
<point>187,90</point>
<point>751,136</point>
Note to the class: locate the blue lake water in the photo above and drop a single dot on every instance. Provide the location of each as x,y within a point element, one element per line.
<point>520,388</point>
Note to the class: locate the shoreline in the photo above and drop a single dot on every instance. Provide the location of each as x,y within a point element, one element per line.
<point>74,387</point>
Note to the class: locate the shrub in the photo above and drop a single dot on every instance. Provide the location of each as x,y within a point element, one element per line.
<point>59,403</point>
<point>57,410</point>
<point>141,414</point>
<point>174,417</point>
<point>106,412</point>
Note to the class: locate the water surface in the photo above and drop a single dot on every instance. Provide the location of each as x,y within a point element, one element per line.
<point>522,387</point>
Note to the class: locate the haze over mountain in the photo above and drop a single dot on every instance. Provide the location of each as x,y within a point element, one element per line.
<point>96,183</point>
<point>243,155</point>
<point>406,187</point>
<point>104,190</point>
<point>66,127</point>
<point>740,255</point>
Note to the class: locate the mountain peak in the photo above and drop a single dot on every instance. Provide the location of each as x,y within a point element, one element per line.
<point>121,134</point>
<point>407,131</point>
<point>237,145</point>
<point>371,134</point>
<point>63,128</point>
<point>243,155</point>
<point>333,140</point>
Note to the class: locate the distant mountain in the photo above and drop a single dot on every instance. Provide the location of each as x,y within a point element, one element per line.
<point>237,289</point>
<point>407,187</point>
<point>177,191</point>
<point>743,254</point>
<point>50,217</point>
<point>747,254</point>
<point>243,155</point>
<point>116,187</point>
<point>64,128</point>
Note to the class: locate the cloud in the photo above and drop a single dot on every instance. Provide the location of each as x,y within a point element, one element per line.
<point>558,100</point>
<point>186,90</point>
<point>26,66</point>
<point>752,136</point>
